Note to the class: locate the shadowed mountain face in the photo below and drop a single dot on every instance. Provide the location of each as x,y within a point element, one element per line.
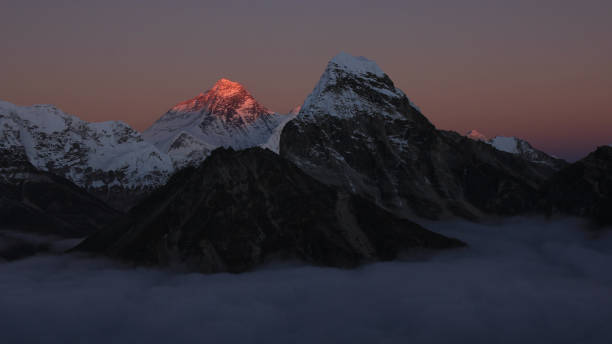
<point>357,131</point>
<point>39,202</point>
<point>584,188</point>
<point>239,209</point>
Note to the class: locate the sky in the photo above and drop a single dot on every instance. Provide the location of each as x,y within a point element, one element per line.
<point>538,70</point>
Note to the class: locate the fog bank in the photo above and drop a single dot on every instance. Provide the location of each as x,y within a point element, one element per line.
<point>526,281</point>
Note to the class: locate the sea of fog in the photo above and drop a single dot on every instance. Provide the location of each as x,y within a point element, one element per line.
<point>521,281</point>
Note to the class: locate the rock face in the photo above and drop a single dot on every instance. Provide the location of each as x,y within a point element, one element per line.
<point>584,188</point>
<point>108,159</point>
<point>227,115</point>
<point>39,202</point>
<point>239,209</point>
<point>357,131</point>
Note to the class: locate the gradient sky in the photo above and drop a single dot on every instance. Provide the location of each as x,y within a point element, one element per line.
<point>541,70</point>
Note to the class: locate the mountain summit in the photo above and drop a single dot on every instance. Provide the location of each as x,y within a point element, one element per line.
<point>476,135</point>
<point>227,115</point>
<point>227,100</point>
<point>352,85</point>
<point>357,131</point>
<point>518,147</point>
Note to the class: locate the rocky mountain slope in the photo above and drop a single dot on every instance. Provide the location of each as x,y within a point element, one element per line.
<point>227,115</point>
<point>239,209</point>
<point>584,188</point>
<point>356,130</point>
<point>108,159</point>
<point>40,202</point>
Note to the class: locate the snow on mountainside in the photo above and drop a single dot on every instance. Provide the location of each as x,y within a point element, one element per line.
<point>359,132</point>
<point>226,115</point>
<point>331,97</point>
<point>517,146</point>
<point>510,144</point>
<point>97,156</point>
<point>476,135</point>
<point>274,140</point>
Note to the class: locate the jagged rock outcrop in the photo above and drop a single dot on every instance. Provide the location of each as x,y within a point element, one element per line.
<point>239,209</point>
<point>227,115</point>
<point>357,131</point>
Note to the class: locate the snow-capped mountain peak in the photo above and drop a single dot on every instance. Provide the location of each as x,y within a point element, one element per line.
<point>226,115</point>
<point>355,65</point>
<point>96,156</point>
<point>476,135</point>
<point>226,100</point>
<point>520,147</point>
<point>351,86</point>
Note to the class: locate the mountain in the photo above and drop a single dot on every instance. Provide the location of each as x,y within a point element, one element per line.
<point>523,149</point>
<point>239,209</point>
<point>40,202</point>
<point>584,188</point>
<point>108,159</point>
<point>519,147</point>
<point>274,139</point>
<point>227,115</point>
<point>476,135</point>
<point>357,131</point>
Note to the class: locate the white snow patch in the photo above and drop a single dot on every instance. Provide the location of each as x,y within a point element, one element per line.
<point>50,136</point>
<point>505,144</point>
<point>355,64</point>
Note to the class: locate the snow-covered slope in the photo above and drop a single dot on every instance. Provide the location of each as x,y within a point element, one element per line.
<point>226,115</point>
<point>274,140</point>
<point>476,135</point>
<point>520,147</point>
<point>102,157</point>
<point>333,97</point>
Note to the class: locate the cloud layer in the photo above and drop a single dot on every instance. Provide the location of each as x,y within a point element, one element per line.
<point>524,281</point>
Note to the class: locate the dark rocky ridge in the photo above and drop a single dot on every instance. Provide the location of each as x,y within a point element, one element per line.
<point>584,188</point>
<point>358,132</point>
<point>239,209</point>
<point>40,202</point>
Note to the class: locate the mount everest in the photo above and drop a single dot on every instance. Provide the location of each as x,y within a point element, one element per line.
<point>227,115</point>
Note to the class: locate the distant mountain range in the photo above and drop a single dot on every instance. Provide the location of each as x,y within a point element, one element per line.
<point>520,147</point>
<point>354,165</point>
<point>118,164</point>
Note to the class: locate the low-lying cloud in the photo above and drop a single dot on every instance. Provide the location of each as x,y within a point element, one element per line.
<point>527,281</point>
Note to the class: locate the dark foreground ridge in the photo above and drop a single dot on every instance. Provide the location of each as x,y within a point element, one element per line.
<point>239,209</point>
<point>584,188</point>
<point>39,202</point>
